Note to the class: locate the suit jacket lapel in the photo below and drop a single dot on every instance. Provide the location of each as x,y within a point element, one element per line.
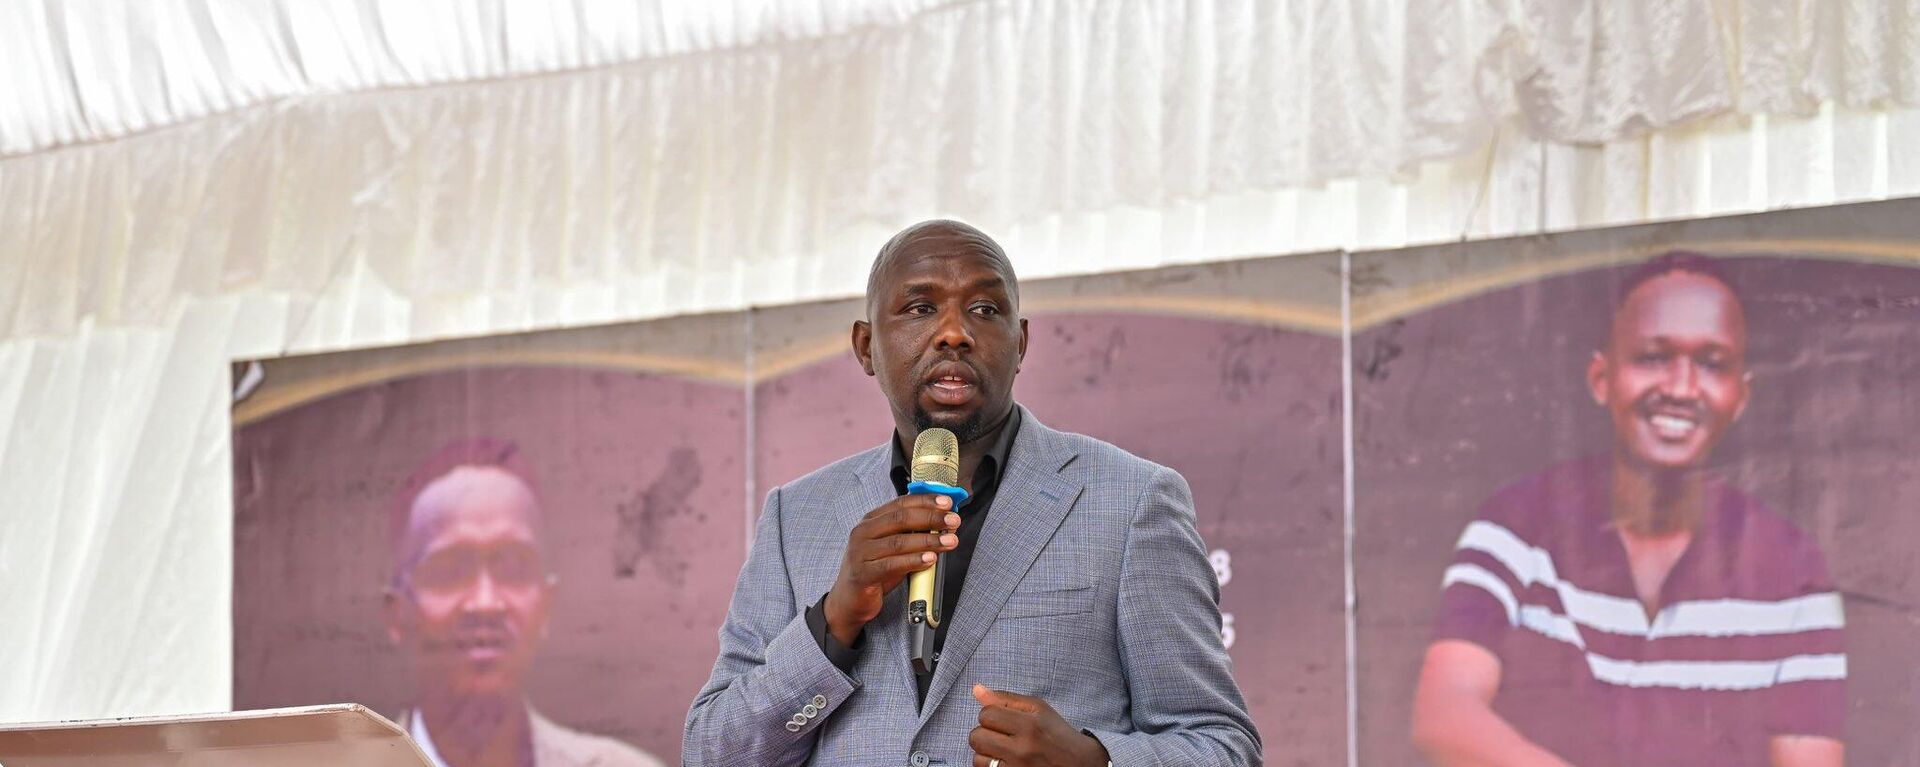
<point>886,633</point>
<point>1032,502</point>
<point>873,476</point>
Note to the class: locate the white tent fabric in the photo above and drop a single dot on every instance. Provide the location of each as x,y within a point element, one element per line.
<point>1366,85</point>
<point>189,181</point>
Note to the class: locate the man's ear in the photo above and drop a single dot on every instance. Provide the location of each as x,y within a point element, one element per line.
<point>863,344</point>
<point>1023,343</point>
<point>1746,394</point>
<point>395,606</point>
<point>1597,378</point>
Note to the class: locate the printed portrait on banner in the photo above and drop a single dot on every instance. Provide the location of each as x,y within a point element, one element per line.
<point>1623,496</point>
<point>515,547</point>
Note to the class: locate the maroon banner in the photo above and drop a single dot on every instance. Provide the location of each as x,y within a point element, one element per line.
<point>1625,496</point>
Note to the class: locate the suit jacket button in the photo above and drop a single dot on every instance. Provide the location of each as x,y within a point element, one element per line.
<point>819,701</point>
<point>919,759</point>
<point>792,727</point>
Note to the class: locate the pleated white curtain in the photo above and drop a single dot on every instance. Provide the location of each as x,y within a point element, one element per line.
<point>183,182</point>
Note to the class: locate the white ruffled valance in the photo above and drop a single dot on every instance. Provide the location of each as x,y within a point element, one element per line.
<point>1309,89</point>
<point>710,155</point>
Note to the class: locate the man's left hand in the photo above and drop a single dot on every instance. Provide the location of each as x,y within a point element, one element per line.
<point>1022,731</point>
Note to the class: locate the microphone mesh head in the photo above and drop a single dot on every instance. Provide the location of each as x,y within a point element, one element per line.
<point>936,457</point>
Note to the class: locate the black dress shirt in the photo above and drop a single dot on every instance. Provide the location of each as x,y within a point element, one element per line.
<point>973,517</point>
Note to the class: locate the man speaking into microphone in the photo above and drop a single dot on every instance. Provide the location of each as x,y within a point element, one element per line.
<point>1077,622</point>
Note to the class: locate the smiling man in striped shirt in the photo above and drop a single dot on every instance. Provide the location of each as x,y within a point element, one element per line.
<point>1628,609</point>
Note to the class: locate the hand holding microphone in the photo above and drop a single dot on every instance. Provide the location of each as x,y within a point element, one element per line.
<point>901,537</point>
<point>935,471</point>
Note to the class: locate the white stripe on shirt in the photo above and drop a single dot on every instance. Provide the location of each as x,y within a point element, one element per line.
<point>1681,674</point>
<point>1475,575</point>
<point>1718,674</point>
<point>1532,565</point>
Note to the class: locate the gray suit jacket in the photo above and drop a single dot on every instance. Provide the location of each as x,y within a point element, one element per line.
<point>1089,588</point>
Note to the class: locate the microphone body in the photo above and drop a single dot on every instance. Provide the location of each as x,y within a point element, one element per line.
<point>935,469</point>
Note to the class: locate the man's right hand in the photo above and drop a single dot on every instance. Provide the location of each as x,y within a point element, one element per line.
<point>1454,723</point>
<point>889,544</point>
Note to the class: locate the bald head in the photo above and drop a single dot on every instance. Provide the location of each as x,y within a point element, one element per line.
<point>469,601</point>
<point>938,236</point>
<point>470,496</point>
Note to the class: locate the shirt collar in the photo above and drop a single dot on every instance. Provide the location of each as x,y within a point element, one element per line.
<point>418,729</point>
<point>990,467</point>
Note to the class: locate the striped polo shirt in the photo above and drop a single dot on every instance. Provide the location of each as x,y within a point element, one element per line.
<point>1747,643</point>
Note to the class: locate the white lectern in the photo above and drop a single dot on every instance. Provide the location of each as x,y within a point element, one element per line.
<point>347,735</point>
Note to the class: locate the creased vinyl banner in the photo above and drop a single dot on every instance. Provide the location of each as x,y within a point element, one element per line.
<point>552,519</point>
<point>1641,493</point>
<point>1649,477</point>
<point>630,446</point>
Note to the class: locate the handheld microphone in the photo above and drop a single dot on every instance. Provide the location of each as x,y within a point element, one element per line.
<point>935,469</point>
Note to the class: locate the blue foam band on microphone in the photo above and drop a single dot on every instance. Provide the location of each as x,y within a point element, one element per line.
<point>958,494</point>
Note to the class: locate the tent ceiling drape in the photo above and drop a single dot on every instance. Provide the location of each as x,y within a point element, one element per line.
<point>1402,79</point>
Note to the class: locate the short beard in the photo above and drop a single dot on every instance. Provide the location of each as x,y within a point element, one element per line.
<point>968,430</point>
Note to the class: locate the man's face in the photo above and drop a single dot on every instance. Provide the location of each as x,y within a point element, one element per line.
<point>943,338</point>
<point>471,606</point>
<point>1674,373</point>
